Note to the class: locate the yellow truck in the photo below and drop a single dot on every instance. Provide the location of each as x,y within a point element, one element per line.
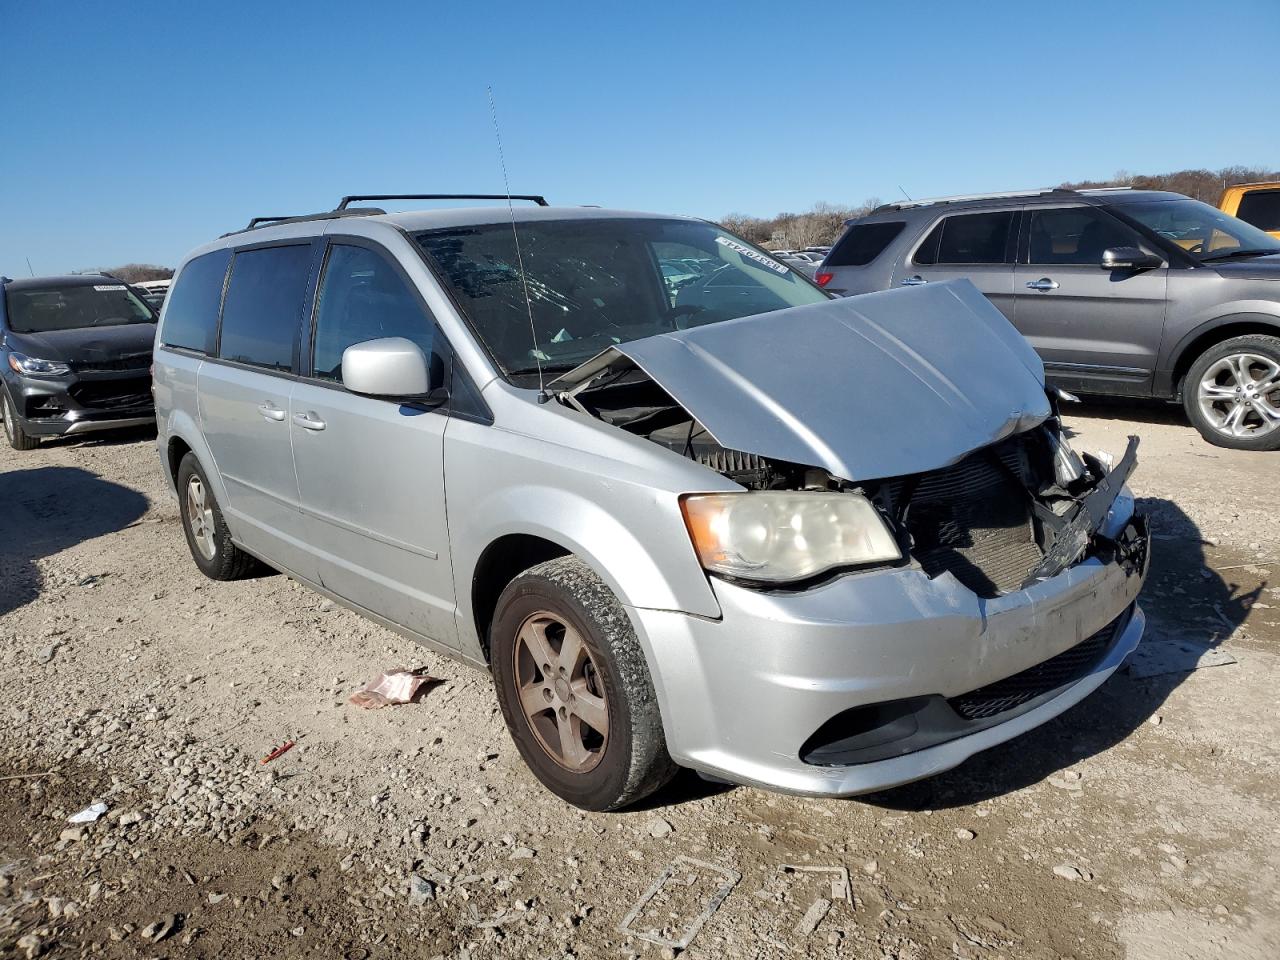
<point>1255,203</point>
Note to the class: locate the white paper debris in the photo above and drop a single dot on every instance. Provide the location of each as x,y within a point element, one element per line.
<point>88,814</point>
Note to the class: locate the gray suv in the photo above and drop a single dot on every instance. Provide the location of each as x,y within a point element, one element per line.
<point>1133,293</point>
<point>638,469</point>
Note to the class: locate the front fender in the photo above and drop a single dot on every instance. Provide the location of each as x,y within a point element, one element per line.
<point>657,570</point>
<point>1262,315</point>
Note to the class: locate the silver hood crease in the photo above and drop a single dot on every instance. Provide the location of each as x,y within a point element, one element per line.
<point>874,386</point>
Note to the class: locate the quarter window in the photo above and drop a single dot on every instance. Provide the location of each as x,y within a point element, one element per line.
<point>264,306</point>
<point>1075,235</point>
<point>191,315</point>
<point>862,243</point>
<point>363,297</point>
<point>968,238</point>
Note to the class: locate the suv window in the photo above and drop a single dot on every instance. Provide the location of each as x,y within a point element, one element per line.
<point>968,238</point>
<point>363,297</point>
<point>1261,208</point>
<point>191,315</point>
<point>264,305</point>
<point>1075,235</point>
<point>862,243</point>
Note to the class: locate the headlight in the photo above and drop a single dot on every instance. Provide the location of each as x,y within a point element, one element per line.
<point>40,368</point>
<point>777,536</point>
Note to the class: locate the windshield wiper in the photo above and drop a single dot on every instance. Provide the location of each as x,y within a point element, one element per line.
<point>1229,254</point>
<point>546,368</point>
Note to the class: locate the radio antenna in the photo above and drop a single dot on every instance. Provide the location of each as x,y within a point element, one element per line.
<point>543,396</point>
<point>29,270</point>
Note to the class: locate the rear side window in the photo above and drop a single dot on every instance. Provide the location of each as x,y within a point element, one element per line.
<point>191,316</point>
<point>264,306</point>
<point>363,297</point>
<point>1261,208</point>
<point>862,243</point>
<point>968,238</point>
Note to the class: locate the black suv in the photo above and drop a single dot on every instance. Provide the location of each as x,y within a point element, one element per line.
<point>1134,293</point>
<point>76,356</point>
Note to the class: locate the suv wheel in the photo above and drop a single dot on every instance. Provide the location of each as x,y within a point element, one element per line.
<point>574,688</point>
<point>207,536</point>
<point>1232,393</point>
<point>18,438</point>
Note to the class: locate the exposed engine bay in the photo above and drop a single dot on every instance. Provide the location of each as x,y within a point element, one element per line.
<point>1001,518</point>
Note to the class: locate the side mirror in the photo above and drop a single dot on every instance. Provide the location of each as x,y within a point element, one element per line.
<point>391,367</point>
<point>1129,258</point>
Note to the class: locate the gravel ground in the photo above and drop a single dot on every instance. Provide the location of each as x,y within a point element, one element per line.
<point>1140,824</point>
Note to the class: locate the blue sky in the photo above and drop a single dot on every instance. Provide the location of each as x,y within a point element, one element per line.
<point>133,132</point>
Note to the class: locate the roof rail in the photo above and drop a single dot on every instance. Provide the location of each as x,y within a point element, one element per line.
<point>962,197</point>
<point>258,222</point>
<point>1005,195</point>
<point>532,198</point>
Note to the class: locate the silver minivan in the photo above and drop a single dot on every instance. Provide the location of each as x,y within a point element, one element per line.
<point>688,509</point>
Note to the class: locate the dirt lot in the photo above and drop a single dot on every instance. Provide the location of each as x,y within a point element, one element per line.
<point>1140,824</point>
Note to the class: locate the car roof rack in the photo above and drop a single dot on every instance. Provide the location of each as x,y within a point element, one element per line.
<point>343,209</point>
<point>258,222</point>
<point>355,198</point>
<point>1004,195</point>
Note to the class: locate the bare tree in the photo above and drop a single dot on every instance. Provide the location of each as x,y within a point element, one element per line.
<point>139,272</point>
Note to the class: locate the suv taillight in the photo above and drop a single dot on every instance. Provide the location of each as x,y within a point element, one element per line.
<point>822,278</point>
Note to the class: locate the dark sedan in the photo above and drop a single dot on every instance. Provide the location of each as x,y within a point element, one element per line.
<point>76,357</point>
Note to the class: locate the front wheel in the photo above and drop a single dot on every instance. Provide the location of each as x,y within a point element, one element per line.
<point>1232,393</point>
<point>574,687</point>
<point>18,438</point>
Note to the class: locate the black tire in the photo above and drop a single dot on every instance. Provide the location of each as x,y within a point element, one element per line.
<point>1255,345</point>
<point>227,562</point>
<point>632,762</point>
<point>18,438</point>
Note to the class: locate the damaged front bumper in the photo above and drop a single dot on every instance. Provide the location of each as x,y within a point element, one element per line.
<point>883,677</point>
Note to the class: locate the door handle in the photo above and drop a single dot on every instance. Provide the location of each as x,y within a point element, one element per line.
<point>914,281</point>
<point>1044,283</point>
<point>271,411</point>
<point>308,421</point>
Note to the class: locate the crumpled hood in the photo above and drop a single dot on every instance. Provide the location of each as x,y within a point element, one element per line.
<point>87,344</point>
<point>867,387</point>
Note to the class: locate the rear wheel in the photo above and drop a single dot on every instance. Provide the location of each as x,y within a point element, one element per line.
<point>207,535</point>
<point>1232,393</point>
<point>18,438</point>
<point>574,688</point>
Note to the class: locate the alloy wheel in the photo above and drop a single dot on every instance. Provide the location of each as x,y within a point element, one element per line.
<point>200,518</point>
<point>1240,395</point>
<point>560,692</point>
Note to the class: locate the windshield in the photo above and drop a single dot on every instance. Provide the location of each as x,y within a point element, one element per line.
<point>73,306</point>
<point>595,283</point>
<point>1199,229</point>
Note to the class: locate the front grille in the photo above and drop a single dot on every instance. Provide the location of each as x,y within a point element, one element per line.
<point>113,394</point>
<point>974,521</point>
<point>1011,692</point>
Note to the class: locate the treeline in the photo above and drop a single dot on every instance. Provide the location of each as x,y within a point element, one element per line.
<point>138,272</point>
<point>821,225</point>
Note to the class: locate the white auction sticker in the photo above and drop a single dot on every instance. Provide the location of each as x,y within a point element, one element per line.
<point>750,254</point>
<point>108,286</point>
